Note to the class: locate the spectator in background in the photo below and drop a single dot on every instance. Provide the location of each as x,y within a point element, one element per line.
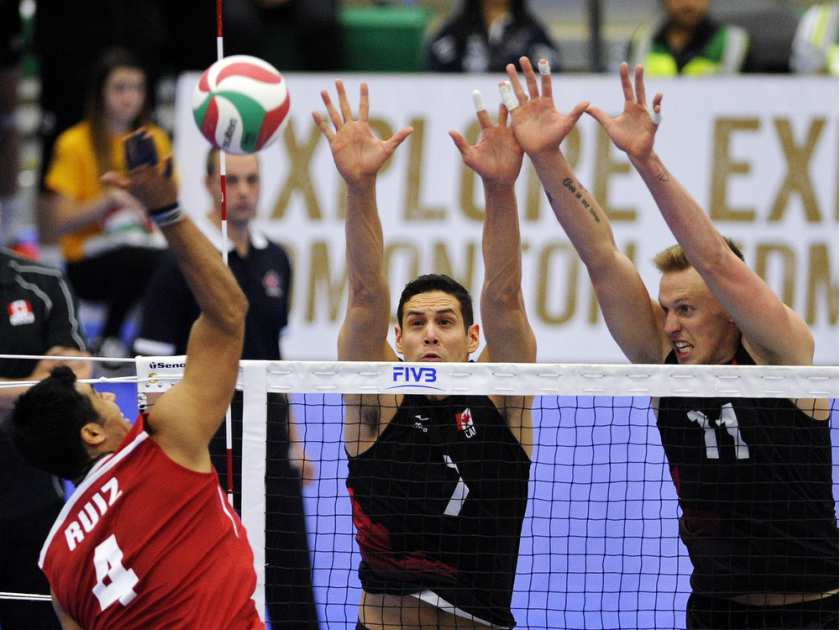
<point>486,35</point>
<point>814,48</point>
<point>11,49</point>
<point>110,247</point>
<point>263,271</point>
<point>41,319</point>
<point>687,41</point>
<point>70,37</point>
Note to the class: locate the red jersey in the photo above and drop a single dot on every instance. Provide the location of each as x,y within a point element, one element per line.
<point>147,543</point>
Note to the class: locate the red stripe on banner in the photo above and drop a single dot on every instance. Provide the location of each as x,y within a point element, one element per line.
<point>272,120</point>
<point>211,119</point>
<point>249,70</point>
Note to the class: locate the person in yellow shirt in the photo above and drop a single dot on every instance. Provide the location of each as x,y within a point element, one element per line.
<point>110,247</point>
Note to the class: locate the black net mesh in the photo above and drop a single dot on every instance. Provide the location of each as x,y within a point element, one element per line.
<point>607,514</point>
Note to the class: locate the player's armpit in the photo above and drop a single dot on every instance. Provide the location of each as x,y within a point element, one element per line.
<point>175,423</point>
<point>366,416</point>
<point>818,409</point>
<point>67,623</point>
<point>187,416</point>
<point>517,412</point>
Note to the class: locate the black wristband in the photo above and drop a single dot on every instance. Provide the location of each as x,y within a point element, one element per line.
<point>162,209</point>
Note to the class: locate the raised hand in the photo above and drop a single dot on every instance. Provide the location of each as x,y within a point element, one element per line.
<point>497,156</point>
<point>151,186</point>
<point>537,124</point>
<point>633,130</point>
<point>357,152</point>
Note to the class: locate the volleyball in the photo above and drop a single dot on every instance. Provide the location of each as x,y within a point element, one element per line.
<point>240,103</point>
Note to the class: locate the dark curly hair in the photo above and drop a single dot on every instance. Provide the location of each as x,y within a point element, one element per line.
<point>47,421</point>
<point>438,282</point>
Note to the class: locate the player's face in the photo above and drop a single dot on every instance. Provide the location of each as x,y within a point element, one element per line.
<point>124,94</point>
<point>699,330</point>
<point>114,424</point>
<point>687,13</point>
<point>243,187</point>
<point>432,329</point>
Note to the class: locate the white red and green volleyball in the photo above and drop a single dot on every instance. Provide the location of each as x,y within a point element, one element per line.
<point>240,103</point>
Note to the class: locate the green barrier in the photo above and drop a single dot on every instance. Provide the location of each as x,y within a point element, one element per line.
<point>383,39</point>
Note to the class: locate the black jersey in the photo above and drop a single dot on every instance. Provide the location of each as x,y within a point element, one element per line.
<point>41,312</point>
<point>265,277</point>
<point>438,503</point>
<point>753,478</point>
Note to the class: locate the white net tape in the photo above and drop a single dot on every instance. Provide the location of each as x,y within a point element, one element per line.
<point>544,379</point>
<point>156,374</point>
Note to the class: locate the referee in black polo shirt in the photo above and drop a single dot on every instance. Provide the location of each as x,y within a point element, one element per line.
<point>39,316</point>
<point>264,273</point>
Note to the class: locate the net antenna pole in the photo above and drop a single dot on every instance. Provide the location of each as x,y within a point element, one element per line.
<point>220,53</point>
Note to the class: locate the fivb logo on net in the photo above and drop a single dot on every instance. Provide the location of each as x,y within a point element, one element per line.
<point>409,376</point>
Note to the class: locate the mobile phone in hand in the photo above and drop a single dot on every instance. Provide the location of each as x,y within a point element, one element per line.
<point>139,150</point>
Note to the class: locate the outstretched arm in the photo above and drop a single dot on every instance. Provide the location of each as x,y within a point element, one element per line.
<point>497,158</point>
<point>631,316</point>
<point>185,418</point>
<point>359,155</point>
<point>773,333</point>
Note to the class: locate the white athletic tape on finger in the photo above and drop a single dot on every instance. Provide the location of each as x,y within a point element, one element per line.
<point>656,117</point>
<point>544,67</point>
<point>508,97</point>
<point>478,102</point>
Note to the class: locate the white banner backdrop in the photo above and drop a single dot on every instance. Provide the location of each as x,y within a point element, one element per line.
<point>759,153</point>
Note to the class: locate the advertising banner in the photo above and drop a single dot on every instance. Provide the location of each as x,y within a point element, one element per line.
<point>758,153</point>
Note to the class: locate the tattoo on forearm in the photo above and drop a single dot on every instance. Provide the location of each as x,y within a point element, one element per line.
<point>579,193</point>
<point>662,175</point>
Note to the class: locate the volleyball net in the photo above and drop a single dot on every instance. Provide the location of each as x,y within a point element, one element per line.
<point>439,498</point>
